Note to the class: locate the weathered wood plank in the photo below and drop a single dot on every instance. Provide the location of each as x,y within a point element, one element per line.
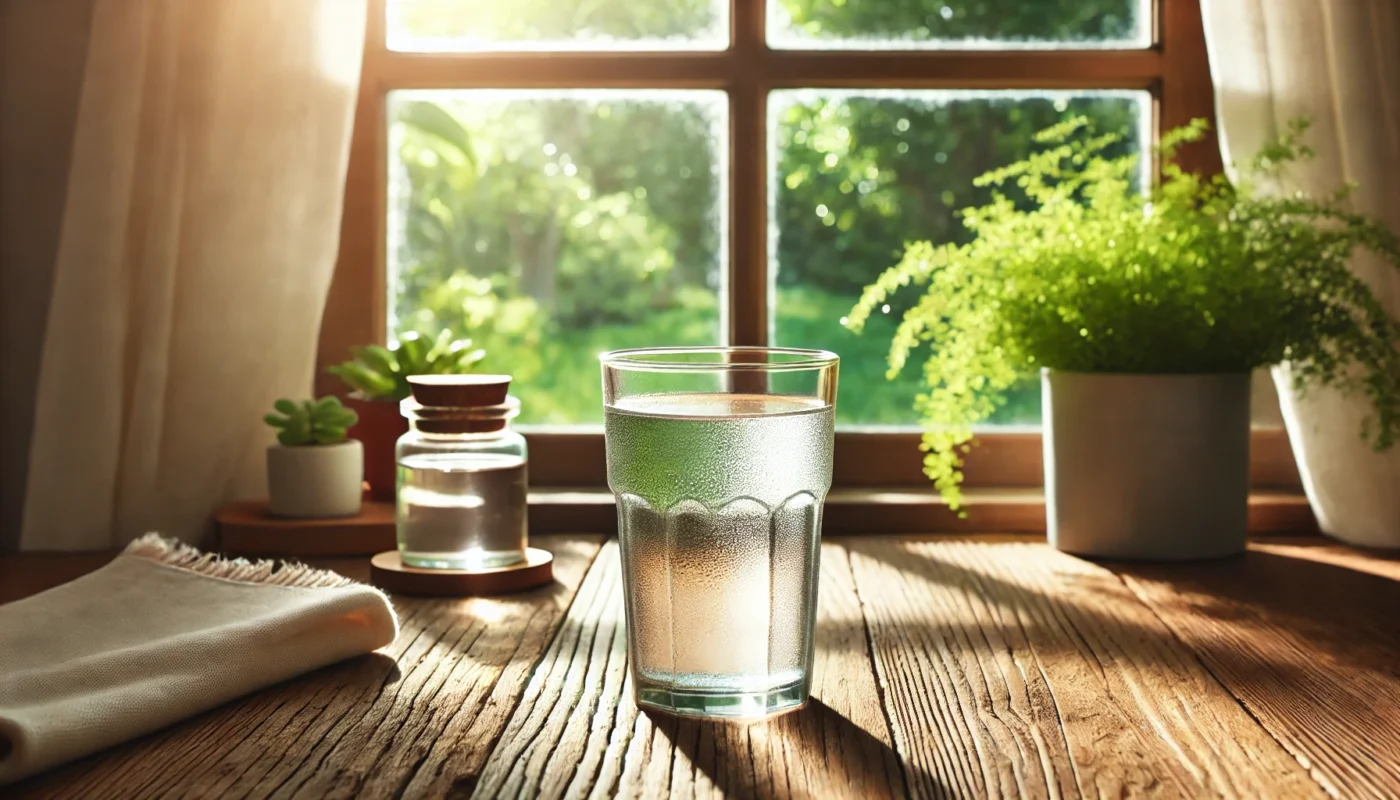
<point>1308,638</point>
<point>1000,668</point>
<point>577,732</point>
<point>1013,670</point>
<point>428,707</point>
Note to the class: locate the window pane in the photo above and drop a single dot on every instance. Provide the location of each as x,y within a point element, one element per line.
<point>855,175</point>
<point>455,25</point>
<point>966,24</point>
<point>552,226</point>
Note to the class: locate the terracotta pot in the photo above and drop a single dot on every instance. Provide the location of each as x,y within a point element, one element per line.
<point>314,480</point>
<point>1152,467</point>
<point>379,428</point>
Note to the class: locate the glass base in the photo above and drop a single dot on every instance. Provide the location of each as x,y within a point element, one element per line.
<point>475,560</point>
<point>724,705</point>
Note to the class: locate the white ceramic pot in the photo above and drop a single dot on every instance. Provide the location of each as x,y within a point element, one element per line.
<point>1354,490</point>
<point>1152,467</point>
<point>315,480</point>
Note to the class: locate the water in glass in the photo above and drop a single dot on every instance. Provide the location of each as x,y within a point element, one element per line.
<point>719,506</point>
<point>462,510</point>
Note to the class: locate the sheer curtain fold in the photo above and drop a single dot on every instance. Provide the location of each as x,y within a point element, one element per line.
<point>195,252</point>
<point>1337,62</point>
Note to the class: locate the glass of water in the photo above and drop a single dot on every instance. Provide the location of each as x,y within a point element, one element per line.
<point>720,458</point>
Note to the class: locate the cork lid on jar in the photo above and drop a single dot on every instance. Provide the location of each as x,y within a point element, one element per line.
<point>460,403</point>
<point>459,391</point>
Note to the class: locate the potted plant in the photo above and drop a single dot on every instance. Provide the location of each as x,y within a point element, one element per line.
<point>313,470</point>
<point>1145,314</point>
<point>378,377</point>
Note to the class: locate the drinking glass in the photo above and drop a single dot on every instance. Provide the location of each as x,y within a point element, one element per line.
<point>720,458</point>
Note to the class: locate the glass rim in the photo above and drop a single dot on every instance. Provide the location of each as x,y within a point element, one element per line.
<point>633,359</point>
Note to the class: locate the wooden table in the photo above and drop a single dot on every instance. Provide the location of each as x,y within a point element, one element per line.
<point>972,666</point>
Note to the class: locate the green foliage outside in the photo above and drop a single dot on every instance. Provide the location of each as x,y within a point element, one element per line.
<point>1194,276</point>
<point>557,20</point>
<point>323,421</point>
<point>1080,21</point>
<point>549,227</point>
<point>1002,20</point>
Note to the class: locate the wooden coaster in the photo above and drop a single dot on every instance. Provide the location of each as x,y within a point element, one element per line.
<point>388,572</point>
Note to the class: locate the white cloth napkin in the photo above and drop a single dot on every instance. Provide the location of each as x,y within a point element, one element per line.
<point>162,633</point>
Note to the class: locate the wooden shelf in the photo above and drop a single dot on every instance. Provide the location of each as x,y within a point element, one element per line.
<point>246,529</point>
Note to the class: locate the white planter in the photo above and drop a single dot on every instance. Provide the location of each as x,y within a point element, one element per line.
<point>1353,490</point>
<point>315,480</point>
<point>1152,467</point>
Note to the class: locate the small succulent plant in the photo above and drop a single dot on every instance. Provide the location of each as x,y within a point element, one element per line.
<point>382,372</point>
<point>321,421</point>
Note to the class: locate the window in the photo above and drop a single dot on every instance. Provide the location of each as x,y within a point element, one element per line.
<point>560,177</point>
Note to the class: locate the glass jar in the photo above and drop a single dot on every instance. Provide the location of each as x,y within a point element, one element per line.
<point>462,477</point>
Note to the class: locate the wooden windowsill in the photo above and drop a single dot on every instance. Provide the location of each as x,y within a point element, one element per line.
<point>877,510</point>
<point>245,529</point>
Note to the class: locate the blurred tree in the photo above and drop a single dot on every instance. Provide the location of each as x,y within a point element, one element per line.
<point>926,20</point>
<point>557,20</point>
<point>861,175</point>
<point>553,226</point>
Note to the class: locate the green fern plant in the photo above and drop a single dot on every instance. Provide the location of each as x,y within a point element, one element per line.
<point>323,421</point>
<point>1196,275</point>
<point>378,372</point>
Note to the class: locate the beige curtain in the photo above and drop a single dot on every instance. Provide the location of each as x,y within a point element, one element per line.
<point>197,236</point>
<point>1338,62</point>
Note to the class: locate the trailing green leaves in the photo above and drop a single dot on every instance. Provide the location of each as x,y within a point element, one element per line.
<point>1196,276</point>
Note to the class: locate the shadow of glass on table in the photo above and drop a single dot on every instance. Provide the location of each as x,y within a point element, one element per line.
<point>776,757</point>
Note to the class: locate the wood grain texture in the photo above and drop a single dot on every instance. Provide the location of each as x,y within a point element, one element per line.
<point>421,713</point>
<point>577,732</point>
<point>1308,638</point>
<point>978,666</point>
<point>1011,670</point>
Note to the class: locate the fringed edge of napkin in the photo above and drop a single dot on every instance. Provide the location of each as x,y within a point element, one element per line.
<point>174,553</point>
